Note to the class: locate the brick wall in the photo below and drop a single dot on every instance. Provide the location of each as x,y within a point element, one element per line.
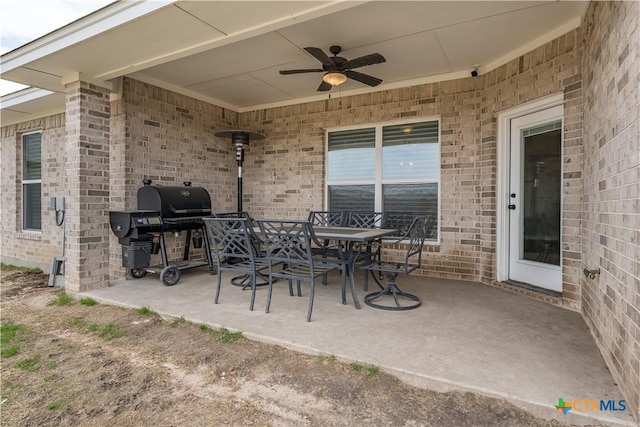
<point>31,249</point>
<point>285,172</point>
<point>611,233</point>
<point>552,68</point>
<point>168,138</point>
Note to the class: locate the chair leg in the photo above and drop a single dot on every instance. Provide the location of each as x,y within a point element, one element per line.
<point>311,295</point>
<point>266,310</point>
<point>253,289</point>
<point>218,286</point>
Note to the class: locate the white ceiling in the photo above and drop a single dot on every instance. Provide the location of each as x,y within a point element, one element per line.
<point>230,52</point>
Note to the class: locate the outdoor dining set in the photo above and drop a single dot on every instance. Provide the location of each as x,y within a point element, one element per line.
<point>262,252</point>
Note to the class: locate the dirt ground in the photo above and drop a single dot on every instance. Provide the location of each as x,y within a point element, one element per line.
<point>82,365</point>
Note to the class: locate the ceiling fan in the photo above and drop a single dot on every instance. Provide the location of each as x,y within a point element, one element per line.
<point>337,69</point>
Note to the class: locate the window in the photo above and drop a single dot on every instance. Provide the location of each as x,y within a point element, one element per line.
<point>393,168</point>
<point>31,175</point>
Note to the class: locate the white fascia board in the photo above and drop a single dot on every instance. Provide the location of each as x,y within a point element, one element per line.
<point>91,25</point>
<point>22,96</point>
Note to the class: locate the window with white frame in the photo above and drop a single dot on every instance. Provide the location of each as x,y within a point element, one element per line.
<point>392,168</point>
<point>31,181</point>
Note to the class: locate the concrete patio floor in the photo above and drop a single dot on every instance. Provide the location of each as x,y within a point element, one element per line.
<point>465,336</point>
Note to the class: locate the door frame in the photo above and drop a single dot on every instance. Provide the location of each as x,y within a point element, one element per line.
<point>503,177</point>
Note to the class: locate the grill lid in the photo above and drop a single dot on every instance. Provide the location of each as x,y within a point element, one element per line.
<point>174,201</point>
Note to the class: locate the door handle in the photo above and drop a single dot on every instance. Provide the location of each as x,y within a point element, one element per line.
<point>512,207</point>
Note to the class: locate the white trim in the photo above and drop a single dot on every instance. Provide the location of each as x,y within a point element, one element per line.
<point>502,184</point>
<point>22,96</point>
<point>100,21</point>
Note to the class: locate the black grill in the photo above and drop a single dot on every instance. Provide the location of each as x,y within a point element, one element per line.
<point>162,209</point>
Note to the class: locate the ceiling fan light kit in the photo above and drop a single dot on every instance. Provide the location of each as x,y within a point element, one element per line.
<point>334,78</point>
<point>338,69</point>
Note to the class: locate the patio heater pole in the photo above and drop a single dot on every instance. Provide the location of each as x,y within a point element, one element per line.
<point>240,139</point>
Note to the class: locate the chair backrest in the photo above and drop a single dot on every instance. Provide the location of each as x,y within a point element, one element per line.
<point>230,238</point>
<point>328,218</point>
<point>365,219</point>
<point>416,234</point>
<point>287,241</point>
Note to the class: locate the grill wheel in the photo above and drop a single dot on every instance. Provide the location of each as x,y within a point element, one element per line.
<point>170,275</point>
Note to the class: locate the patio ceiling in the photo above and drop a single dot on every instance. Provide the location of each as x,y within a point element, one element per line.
<point>229,53</point>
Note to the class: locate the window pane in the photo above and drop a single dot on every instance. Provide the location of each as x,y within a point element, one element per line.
<point>351,155</point>
<point>403,202</point>
<point>32,207</point>
<point>32,156</point>
<point>410,151</point>
<point>351,197</point>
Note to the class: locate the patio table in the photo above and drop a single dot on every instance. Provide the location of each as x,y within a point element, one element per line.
<point>354,238</point>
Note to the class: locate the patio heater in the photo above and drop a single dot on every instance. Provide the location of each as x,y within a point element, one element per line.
<point>240,139</point>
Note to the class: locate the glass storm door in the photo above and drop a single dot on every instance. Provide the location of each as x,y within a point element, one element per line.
<point>535,199</point>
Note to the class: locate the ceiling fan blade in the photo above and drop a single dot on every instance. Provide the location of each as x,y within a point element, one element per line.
<point>320,55</point>
<point>306,70</point>
<point>363,78</point>
<point>374,58</point>
<point>324,86</point>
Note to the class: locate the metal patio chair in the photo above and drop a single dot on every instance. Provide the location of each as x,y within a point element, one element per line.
<point>364,219</point>
<point>389,270</point>
<point>327,219</point>
<point>233,238</point>
<point>290,243</point>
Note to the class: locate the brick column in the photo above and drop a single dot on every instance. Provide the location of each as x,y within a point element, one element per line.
<point>87,186</point>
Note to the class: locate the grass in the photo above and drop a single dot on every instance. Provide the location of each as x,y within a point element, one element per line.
<point>88,301</point>
<point>224,335</point>
<point>10,267</point>
<point>177,321</point>
<point>356,367</point>
<point>372,370</point>
<point>10,336</point>
<point>77,321</point>
<point>205,328</point>
<point>29,365</point>
<point>61,300</point>
<point>55,405</point>
<point>146,311</point>
<point>331,358</point>
<point>110,332</point>
<point>52,365</point>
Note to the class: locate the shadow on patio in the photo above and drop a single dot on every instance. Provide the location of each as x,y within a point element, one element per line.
<point>465,336</point>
